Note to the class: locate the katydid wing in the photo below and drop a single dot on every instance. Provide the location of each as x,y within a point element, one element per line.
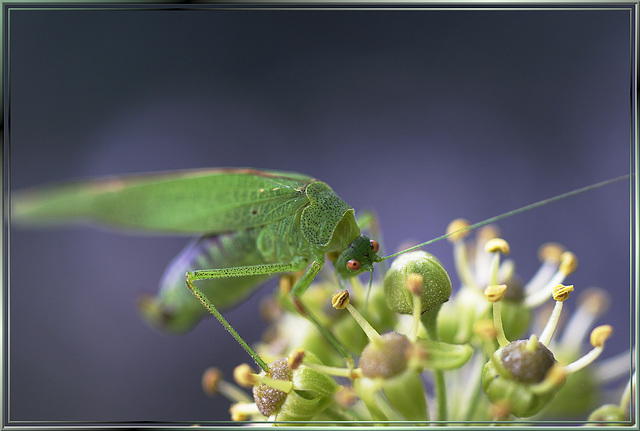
<point>250,219</point>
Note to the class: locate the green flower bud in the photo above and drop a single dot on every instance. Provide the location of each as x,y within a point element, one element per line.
<point>385,357</point>
<point>521,401</point>
<point>608,413</point>
<point>516,381</point>
<point>435,286</point>
<point>526,361</point>
<point>310,394</point>
<point>267,398</point>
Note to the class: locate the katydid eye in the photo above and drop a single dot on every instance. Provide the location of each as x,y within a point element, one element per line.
<point>375,246</point>
<point>353,265</point>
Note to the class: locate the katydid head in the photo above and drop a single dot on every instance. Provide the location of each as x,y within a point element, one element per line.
<point>358,257</point>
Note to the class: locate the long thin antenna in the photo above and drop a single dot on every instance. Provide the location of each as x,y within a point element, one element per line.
<point>514,212</point>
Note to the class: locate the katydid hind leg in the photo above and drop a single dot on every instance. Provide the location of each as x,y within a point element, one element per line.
<point>234,273</point>
<point>174,309</point>
<point>301,285</point>
<point>243,271</point>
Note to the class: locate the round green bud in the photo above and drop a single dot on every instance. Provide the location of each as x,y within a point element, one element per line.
<point>269,399</point>
<point>516,381</point>
<point>528,361</point>
<point>608,413</point>
<point>434,286</point>
<point>312,392</point>
<point>518,397</point>
<point>386,357</point>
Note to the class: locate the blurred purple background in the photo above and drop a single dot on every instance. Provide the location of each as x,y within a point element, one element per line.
<point>423,116</point>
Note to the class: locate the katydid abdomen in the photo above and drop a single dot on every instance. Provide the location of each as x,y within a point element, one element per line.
<point>174,309</point>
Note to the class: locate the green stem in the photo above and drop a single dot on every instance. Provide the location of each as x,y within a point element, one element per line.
<point>497,323</point>
<point>368,398</point>
<point>626,395</point>
<point>441,394</point>
<point>296,293</point>
<point>324,331</point>
<point>475,385</point>
<point>473,403</point>
<point>431,323</point>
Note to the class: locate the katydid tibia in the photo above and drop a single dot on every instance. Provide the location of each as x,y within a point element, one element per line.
<point>255,223</point>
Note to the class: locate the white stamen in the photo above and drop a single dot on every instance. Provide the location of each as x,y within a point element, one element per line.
<point>541,277</point>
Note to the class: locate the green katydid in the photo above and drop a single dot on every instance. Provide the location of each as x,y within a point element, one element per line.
<point>256,223</point>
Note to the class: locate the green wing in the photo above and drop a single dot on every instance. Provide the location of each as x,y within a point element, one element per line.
<point>187,202</point>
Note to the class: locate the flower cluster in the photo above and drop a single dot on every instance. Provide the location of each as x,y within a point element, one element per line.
<point>427,356</point>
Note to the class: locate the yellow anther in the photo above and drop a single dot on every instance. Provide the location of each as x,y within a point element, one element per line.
<point>339,300</point>
<point>487,232</point>
<point>568,262</point>
<point>594,300</point>
<point>600,334</point>
<point>494,293</point>
<point>561,292</point>
<point>287,281</point>
<point>285,284</point>
<point>414,284</point>
<point>244,376</point>
<point>237,413</point>
<point>210,380</point>
<point>346,397</point>
<point>551,252</point>
<point>355,373</point>
<point>484,329</point>
<point>500,410</point>
<point>455,226</point>
<point>495,245</point>
<point>296,357</point>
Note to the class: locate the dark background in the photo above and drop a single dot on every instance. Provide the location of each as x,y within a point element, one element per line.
<point>423,115</point>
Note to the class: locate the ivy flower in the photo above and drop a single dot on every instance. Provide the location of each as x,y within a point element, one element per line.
<point>523,376</point>
<point>420,354</point>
